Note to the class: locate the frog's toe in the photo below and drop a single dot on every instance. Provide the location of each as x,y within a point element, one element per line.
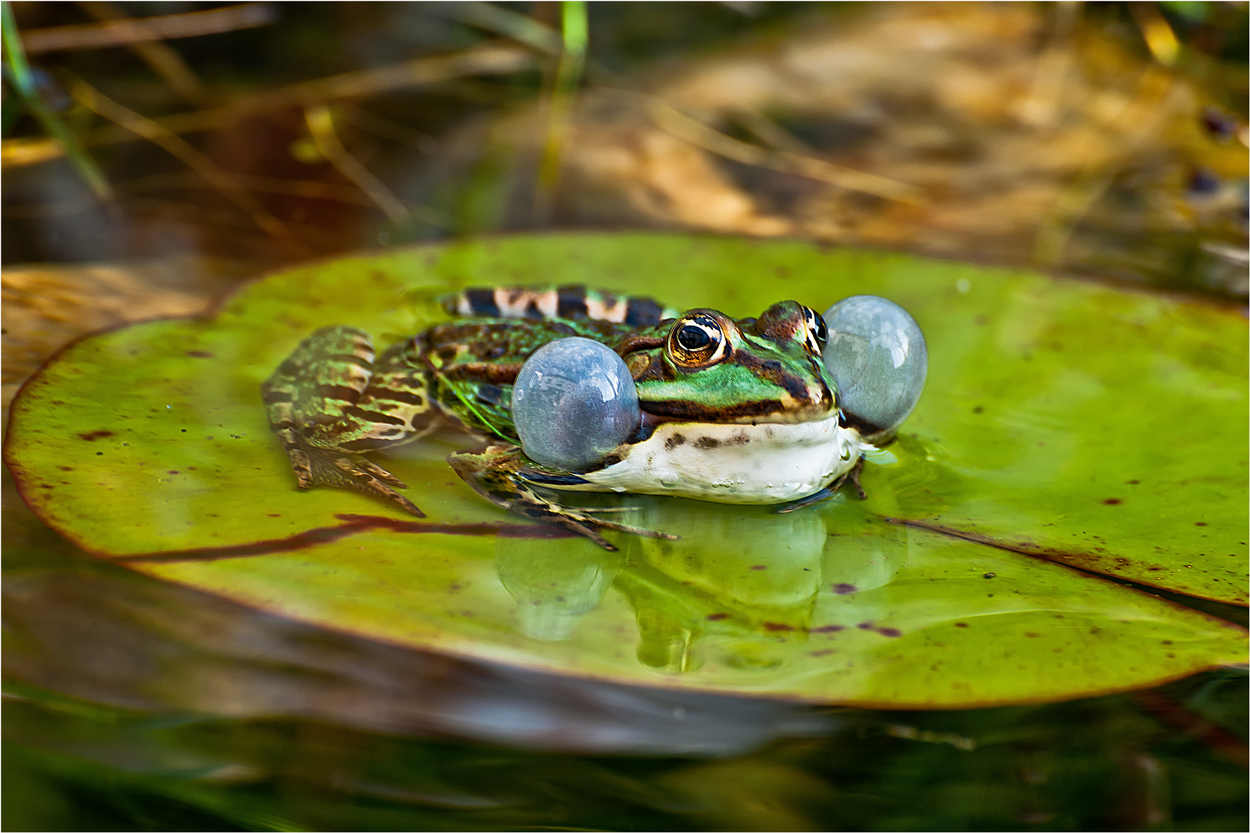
<point>381,474</point>
<point>302,466</point>
<point>363,476</point>
<point>586,532</point>
<point>634,530</point>
<point>324,467</point>
<point>583,520</point>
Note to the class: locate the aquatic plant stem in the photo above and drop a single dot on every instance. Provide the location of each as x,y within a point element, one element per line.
<point>560,103</point>
<point>321,127</point>
<point>24,84</point>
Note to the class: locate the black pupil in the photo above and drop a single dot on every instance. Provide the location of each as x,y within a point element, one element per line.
<point>691,337</point>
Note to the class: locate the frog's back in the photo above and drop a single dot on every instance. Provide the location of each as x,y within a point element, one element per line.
<point>476,359</point>
<point>569,303</point>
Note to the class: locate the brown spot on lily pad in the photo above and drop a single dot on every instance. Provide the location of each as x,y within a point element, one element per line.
<point>889,632</point>
<point>1112,501</point>
<point>199,354</point>
<point>828,629</point>
<point>92,436</point>
<point>777,626</point>
<point>716,617</point>
<point>843,589</point>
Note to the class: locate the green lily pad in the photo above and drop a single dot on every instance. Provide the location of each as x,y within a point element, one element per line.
<point>1066,430</point>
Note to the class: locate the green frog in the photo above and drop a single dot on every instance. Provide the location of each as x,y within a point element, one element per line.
<point>735,411</point>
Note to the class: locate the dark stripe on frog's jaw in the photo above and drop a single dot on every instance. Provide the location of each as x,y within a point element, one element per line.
<point>694,412</point>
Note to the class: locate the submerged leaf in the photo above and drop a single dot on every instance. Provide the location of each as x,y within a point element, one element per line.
<point>1088,427</point>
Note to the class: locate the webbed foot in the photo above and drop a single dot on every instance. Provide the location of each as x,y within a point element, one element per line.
<point>328,467</point>
<point>493,471</point>
<point>582,520</point>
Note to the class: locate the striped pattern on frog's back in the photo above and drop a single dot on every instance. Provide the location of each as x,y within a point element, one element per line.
<point>568,302</point>
<point>476,359</point>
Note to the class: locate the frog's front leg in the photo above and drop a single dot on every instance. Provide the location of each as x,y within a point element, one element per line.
<point>329,402</point>
<point>495,470</point>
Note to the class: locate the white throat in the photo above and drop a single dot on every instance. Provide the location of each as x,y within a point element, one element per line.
<point>766,463</point>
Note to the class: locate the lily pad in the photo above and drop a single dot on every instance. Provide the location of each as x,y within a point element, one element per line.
<point>1066,430</point>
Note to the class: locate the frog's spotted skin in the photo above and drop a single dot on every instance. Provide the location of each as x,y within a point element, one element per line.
<point>737,411</point>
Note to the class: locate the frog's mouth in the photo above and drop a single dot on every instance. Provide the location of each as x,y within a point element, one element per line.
<point>750,413</point>
<point>651,420</point>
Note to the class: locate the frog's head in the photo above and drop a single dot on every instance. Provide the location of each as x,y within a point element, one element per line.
<point>706,367</point>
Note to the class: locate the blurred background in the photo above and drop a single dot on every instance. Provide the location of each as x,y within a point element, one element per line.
<point>157,154</point>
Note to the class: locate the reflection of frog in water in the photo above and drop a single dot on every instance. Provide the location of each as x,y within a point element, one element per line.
<point>737,581</point>
<point>734,574</point>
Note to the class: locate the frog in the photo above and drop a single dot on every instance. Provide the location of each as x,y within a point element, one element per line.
<point>733,410</point>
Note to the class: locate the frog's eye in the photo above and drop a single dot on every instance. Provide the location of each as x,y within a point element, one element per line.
<point>817,331</point>
<point>696,340</point>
